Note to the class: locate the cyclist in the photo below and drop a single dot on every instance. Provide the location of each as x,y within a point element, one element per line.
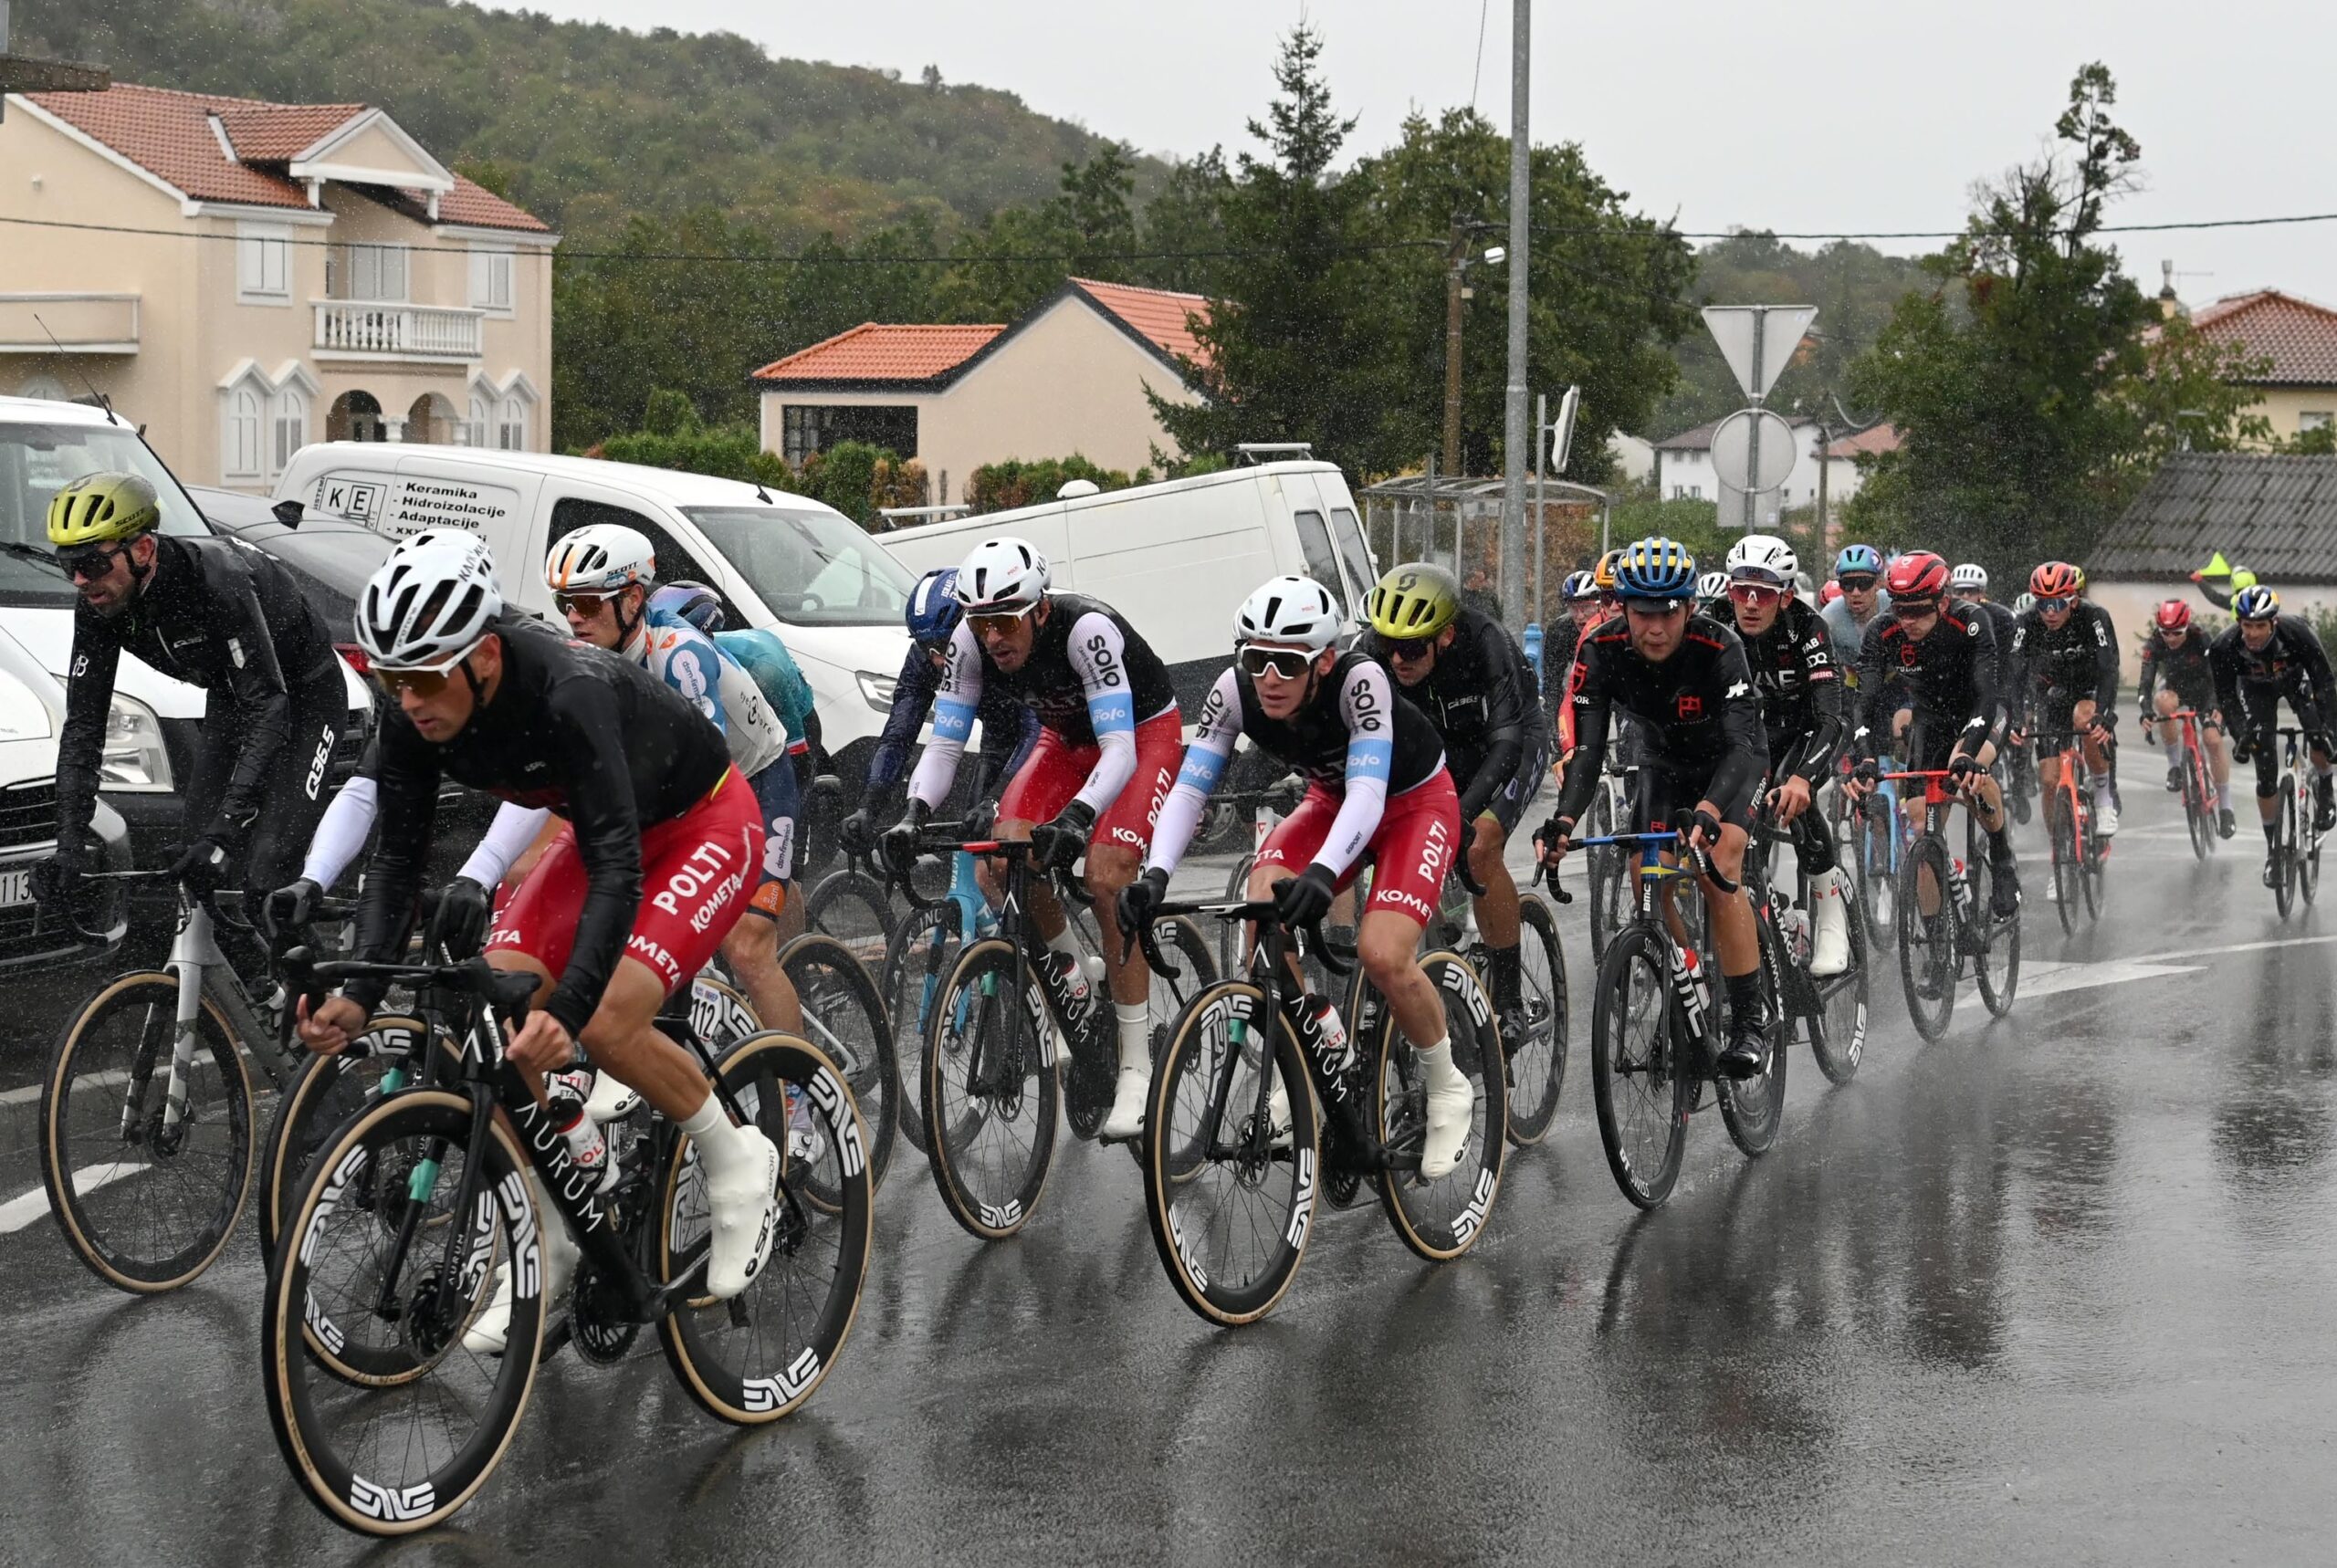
<point>758,650</point>
<point>1375,785</point>
<point>652,804</point>
<point>2266,656</point>
<point>2175,674</point>
<point>1969,584</point>
<point>1712,595</point>
<point>2061,679</point>
<point>1586,605</point>
<point>1105,757</point>
<point>218,614</point>
<point>466,903</point>
<point>1463,669</point>
<point>1800,691</point>
<point>1862,604</point>
<point>1008,728</point>
<point>1945,657</point>
<point>1685,677</point>
<point>601,577</point>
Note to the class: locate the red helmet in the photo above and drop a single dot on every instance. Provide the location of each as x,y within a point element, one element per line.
<point>2056,579</point>
<point>1831,592</point>
<point>2174,615</point>
<point>1919,574</point>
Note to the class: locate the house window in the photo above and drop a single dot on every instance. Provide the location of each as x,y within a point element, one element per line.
<point>492,281</point>
<point>2315,419</point>
<point>239,434</point>
<point>375,272</point>
<point>263,264</point>
<point>473,430</point>
<point>807,428</point>
<point>511,422</point>
<point>289,427</point>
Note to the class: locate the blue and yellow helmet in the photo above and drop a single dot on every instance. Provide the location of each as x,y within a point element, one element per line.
<point>1656,568</point>
<point>2255,603</point>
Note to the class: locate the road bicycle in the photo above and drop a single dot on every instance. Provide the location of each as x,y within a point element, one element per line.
<point>989,1093</point>
<point>1827,1011</point>
<point>1654,1044</point>
<point>2298,874</point>
<point>1947,917</point>
<point>2195,781</point>
<point>2078,852</point>
<point>1245,1128</point>
<point>146,1109</point>
<point>387,1420</point>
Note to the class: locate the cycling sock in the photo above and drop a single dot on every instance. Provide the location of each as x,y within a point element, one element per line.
<point>1501,966</point>
<point>2272,834</point>
<point>1436,1065</point>
<point>2000,845</point>
<point>710,1128</point>
<point>1065,943</point>
<point>1136,1035</point>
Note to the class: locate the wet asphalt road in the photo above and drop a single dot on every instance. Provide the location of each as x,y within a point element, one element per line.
<point>2056,1290</point>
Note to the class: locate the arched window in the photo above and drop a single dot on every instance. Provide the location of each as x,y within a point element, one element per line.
<point>239,435</point>
<point>289,422</point>
<point>511,422</point>
<point>474,431</point>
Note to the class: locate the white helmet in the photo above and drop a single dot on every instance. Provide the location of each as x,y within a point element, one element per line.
<point>427,607</point>
<point>1712,585</point>
<point>1763,557</point>
<point>600,557</point>
<point>1295,611</point>
<point>1971,574</point>
<point>1001,576</point>
<point>458,539</point>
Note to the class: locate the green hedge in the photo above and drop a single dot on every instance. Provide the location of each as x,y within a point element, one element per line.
<point>1001,486</point>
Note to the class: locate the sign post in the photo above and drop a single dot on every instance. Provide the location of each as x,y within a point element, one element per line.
<point>1753,450</point>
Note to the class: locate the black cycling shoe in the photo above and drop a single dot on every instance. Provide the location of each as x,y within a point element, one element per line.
<point>2272,869</point>
<point>2325,809</point>
<point>1747,1050</point>
<point>2004,890</point>
<point>2226,824</point>
<point>2174,779</point>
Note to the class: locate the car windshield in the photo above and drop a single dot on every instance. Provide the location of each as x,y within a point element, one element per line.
<point>38,460</point>
<point>814,568</point>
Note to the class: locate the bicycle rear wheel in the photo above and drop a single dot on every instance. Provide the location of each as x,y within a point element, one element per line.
<point>145,1194</point>
<point>1229,932</point>
<point>918,958</point>
<point>990,1101</point>
<point>329,1090</point>
<point>2068,872</point>
<point>844,1020</point>
<point>1838,1035</point>
<point>2197,810</point>
<point>1537,1057</point>
<point>428,1439</point>
<point>1230,1211</point>
<point>759,1355</point>
<point>1995,943</point>
<point>1609,911</point>
<point>1871,832</point>
<point>2308,858</point>
<point>1442,1218</point>
<point>1640,1080</point>
<point>1927,958</point>
<point>2095,866</point>
<point>852,908</point>
<point>1752,1108</point>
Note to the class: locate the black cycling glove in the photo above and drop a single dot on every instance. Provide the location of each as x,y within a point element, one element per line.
<point>201,866</point>
<point>1306,898</point>
<point>1139,899</point>
<point>1055,845</point>
<point>857,834</point>
<point>290,907</point>
<point>897,849</point>
<point>465,911</point>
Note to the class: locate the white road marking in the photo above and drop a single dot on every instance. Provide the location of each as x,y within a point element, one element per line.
<point>2047,979</point>
<point>94,1080</point>
<point>22,1210</point>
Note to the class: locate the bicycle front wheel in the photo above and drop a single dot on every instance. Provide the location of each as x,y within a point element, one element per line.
<point>761,1354</point>
<point>146,1152</point>
<point>2198,810</point>
<point>1837,1034</point>
<point>401,1281</point>
<point>1640,1079</point>
<point>1752,1108</point>
<point>844,1020</point>
<point>2284,880</point>
<point>990,1093</point>
<point>852,908</point>
<point>1440,1218</point>
<point>918,958</point>
<point>1230,1188</point>
<point>1927,958</point>
<point>2068,872</point>
<point>329,1090</point>
<point>1537,1059</point>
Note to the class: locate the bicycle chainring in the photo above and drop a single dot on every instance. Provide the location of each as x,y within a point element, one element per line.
<point>597,1323</point>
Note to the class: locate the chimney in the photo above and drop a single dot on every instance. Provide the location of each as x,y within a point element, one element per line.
<point>2169,306</point>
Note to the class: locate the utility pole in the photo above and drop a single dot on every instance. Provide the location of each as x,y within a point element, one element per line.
<point>1456,258</point>
<point>1521,232</point>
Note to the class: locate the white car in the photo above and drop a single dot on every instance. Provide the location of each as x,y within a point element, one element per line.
<point>32,717</point>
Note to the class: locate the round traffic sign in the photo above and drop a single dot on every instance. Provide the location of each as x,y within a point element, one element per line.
<point>1754,450</point>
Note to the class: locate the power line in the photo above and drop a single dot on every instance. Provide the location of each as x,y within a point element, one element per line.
<point>1918,234</point>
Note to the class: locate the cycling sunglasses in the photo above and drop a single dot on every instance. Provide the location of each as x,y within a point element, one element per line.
<point>2063,604</point>
<point>89,562</point>
<point>1858,584</point>
<point>1409,648</point>
<point>424,681</point>
<point>588,605</point>
<point>1752,595</point>
<point>1287,663</point>
<point>998,622</point>
<point>1913,609</point>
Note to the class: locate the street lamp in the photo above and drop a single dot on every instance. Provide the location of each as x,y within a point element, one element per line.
<point>1457,262</point>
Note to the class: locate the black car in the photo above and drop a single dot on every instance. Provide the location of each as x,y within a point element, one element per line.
<point>332,556</point>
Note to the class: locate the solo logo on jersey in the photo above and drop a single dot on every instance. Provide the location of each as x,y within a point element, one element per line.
<point>1107,669</point>
<point>1365,705</point>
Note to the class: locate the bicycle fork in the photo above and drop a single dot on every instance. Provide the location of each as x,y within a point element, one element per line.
<point>193,951</point>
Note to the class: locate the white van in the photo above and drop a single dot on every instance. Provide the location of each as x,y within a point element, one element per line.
<point>1180,557</point>
<point>780,561</point>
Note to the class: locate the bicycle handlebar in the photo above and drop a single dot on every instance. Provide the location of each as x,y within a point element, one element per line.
<point>947,838</point>
<point>1338,958</point>
<point>510,991</point>
<point>1699,856</point>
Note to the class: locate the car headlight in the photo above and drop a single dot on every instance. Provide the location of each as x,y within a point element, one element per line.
<point>876,689</point>
<point>134,756</point>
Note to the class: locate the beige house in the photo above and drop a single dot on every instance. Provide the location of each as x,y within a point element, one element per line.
<point>302,272</point>
<point>1068,378</point>
<point>2298,392</point>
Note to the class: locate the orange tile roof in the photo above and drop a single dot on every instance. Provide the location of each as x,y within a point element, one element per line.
<point>874,352</point>
<point>1159,315</point>
<point>1873,441</point>
<point>168,133</point>
<point>2300,336</point>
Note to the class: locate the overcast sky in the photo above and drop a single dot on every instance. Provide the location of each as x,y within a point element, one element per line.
<point>1821,116</point>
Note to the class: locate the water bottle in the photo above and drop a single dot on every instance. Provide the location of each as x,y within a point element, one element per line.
<point>1324,1036</point>
<point>1688,982</point>
<point>1963,894</point>
<point>564,1097</point>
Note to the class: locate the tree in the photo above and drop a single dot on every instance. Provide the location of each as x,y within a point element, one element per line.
<point>1184,223</point>
<point>2018,381</point>
<point>1287,358</point>
<point>1086,228</point>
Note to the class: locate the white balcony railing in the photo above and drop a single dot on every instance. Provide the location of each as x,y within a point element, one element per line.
<point>397,330</point>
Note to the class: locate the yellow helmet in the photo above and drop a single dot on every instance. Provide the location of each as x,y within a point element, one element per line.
<point>103,508</point>
<point>1416,600</point>
<point>1603,574</point>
